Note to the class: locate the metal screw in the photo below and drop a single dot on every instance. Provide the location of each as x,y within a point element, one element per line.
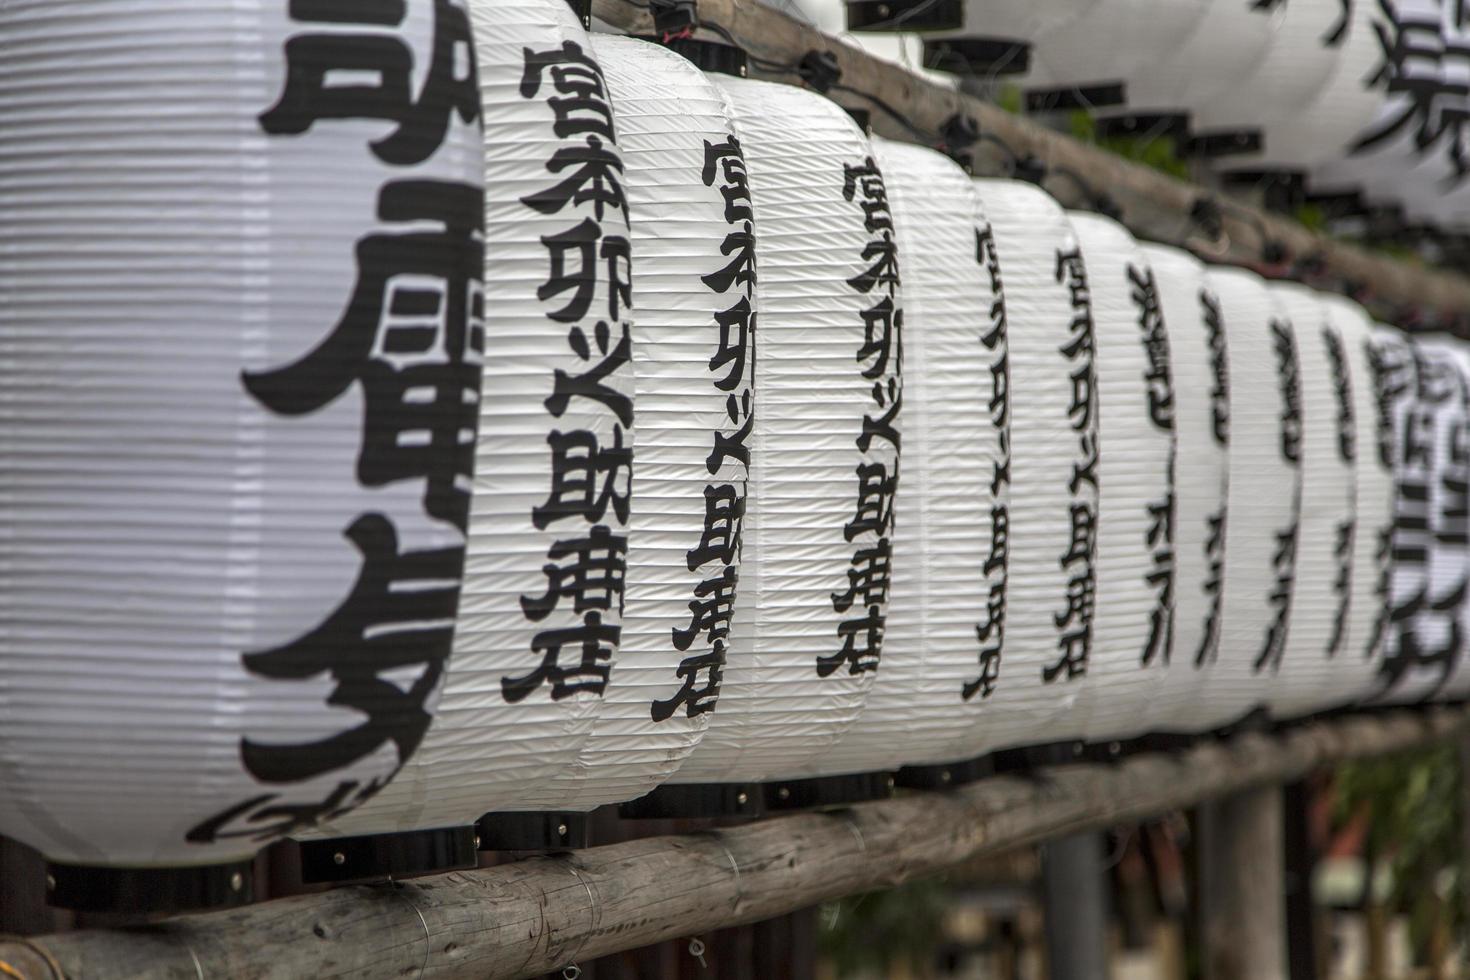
<point>50,883</point>
<point>237,881</point>
<point>561,830</point>
<point>339,859</point>
<point>477,842</point>
<point>741,798</point>
<point>784,793</point>
<point>890,782</point>
<point>945,777</point>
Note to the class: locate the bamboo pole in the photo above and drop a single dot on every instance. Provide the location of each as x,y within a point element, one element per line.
<point>542,914</point>
<point>1155,205</point>
<point>1242,908</point>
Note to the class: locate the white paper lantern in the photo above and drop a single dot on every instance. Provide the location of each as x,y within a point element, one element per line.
<point>1356,665</point>
<point>1410,64</point>
<point>1320,599</point>
<point>1224,42</point>
<point>1050,596</point>
<point>1200,366</point>
<point>1264,499</point>
<point>537,633</point>
<point>1288,75</point>
<point>947,617</point>
<point>1415,664</point>
<point>998,36</point>
<point>234,543</point>
<point>808,618</point>
<point>1342,108</point>
<point>1098,53</point>
<point>1133,631</point>
<point>1444,382</point>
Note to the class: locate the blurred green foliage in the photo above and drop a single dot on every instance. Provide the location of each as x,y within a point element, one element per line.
<point>881,931</point>
<point>1415,813</point>
<point>1160,152</point>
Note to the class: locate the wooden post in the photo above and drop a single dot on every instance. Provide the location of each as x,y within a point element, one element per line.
<point>1074,897</point>
<point>1241,876</point>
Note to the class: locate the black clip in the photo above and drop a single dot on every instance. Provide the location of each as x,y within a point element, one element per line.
<point>820,70</point>
<point>673,19</point>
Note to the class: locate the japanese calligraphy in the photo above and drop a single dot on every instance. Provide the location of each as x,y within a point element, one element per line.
<point>1347,452</point>
<point>1158,382</point>
<point>1283,562</point>
<point>1079,561</point>
<point>991,633</point>
<point>880,355</point>
<point>732,367</point>
<point>410,345</point>
<point>588,294</point>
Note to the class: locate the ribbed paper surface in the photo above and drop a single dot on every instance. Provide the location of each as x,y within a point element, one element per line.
<point>1445,384</point>
<point>1290,71</point>
<point>929,702</point>
<point>1411,669</point>
<point>1025,21</point>
<point>1345,104</point>
<point>693,357</point>
<point>204,331</point>
<point>536,634</point>
<point>1320,599</point>
<point>1200,366</point>
<point>1133,630</point>
<point>1356,666</point>
<point>1111,41</point>
<point>1264,492</point>
<point>1211,59</point>
<point>1054,423</point>
<point>814,577</point>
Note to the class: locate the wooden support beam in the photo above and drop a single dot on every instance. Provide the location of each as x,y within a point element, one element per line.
<point>1242,908</point>
<point>1155,205</point>
<point>536,916</point>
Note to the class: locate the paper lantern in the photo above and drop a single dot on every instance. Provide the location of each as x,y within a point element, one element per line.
<point>947,616</point>
<point>1356,665</point>
<point>1341,109</point>
<point>807,627</point>
<point>1416,662</point>
<point>1441,626</point>
<point>1321,597</point>
<point>538,627</point>
<point>1054,455</point>
<point>240,334</point>
<point>1133,631</point>
<point>1225,41</point>
<point>998,37</point>
<point>1091,59</point>
<point>1264,499</point>
<point>1297,61</point>
<point>1199,363</point>
<point>1407,73</point>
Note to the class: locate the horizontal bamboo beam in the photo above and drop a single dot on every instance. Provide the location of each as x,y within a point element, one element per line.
<point>540,915</point>
<point>1155,205</point>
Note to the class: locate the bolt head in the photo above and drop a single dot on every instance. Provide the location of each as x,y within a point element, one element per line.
<point>339,859</point>
<point>741,798</point>
<point>784,793</point>
<point>561,830</point>
<point>237,881</point>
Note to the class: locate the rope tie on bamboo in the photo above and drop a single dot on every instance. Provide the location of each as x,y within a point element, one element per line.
<point>594,917</point>
<point>398,891</point>
<point>52,964</point>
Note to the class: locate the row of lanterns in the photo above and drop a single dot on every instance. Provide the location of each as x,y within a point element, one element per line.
<point>1362,100</point>
<point>404,457</point>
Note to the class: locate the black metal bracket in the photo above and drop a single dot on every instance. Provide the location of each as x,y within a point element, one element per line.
<point>369,856</point>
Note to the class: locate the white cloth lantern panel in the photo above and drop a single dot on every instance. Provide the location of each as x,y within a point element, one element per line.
<point>693,235</point>
<point>1444,383</point>
<point>1343,107</point>
<point>1263,502</point>
<point>1291,71</point>
<point>999,36</point>
<point>1199,366</point>
<point>1410,671</point>
<point>947,615</point>
<point>1225,41</point>
<point>234,544</point>
<point>1133,625</point>
<point>1409,67</point>
<point>805,640</point>
<point>1054,456</point>
<point>1097,54</point>
<point>1318,618</point>
<point>538,622</point>
<point>1356,665</point>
